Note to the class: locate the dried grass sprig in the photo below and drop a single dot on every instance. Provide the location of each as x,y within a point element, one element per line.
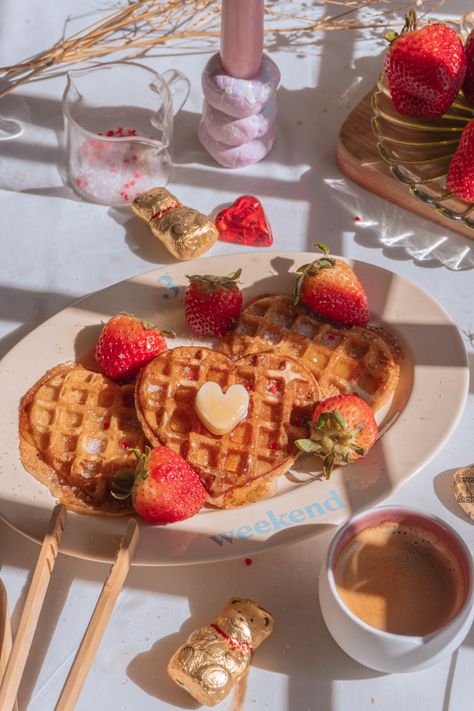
<point>138,27</point>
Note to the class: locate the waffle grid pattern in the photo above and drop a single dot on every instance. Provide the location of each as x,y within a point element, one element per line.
<point>282,394</point>
<point>82,425</point>
<point>343,360</point>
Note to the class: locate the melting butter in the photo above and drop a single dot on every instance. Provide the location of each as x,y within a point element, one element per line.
<point>220,412</point>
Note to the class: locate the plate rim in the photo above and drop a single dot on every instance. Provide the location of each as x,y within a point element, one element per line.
<point>299,533</point>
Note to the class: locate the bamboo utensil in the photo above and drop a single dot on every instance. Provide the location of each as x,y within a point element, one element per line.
<point>98,622</point>
<point>13,657</point>
<point>5,634</point>
<point>32,609</point>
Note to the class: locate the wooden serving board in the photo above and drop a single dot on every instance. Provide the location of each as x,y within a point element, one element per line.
<point>359,160</point>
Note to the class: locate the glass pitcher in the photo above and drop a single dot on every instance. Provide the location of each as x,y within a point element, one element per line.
<point>118,124</point>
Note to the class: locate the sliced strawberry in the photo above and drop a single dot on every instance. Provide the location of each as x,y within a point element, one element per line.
<point>126,344</point>
<point>329,287</point>
<point>164,487</point>
<point>343,430</point>
<point>213,304</point>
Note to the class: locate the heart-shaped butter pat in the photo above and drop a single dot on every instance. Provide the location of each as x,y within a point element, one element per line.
<point>220,412</point>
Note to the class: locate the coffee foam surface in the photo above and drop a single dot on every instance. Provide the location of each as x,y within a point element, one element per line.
<point>401,578</point>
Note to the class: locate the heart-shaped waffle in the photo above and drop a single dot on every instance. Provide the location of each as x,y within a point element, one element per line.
<point>241,466</point>
<point>244,222</point>
<point>76,428</point>
<point>356,360</point>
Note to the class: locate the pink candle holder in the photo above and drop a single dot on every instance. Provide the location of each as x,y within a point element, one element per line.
<point>238,126</point>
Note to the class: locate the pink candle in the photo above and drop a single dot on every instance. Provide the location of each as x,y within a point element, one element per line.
<point>242,37</point>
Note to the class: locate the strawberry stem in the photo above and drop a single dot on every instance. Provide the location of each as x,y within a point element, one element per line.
<point>410,25</point>
<point>324,262</point>
<point>210,283</point>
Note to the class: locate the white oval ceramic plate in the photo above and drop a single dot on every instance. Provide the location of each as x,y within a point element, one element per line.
<point>427,404</point>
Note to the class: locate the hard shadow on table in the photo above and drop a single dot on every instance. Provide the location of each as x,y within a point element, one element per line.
<point>139,237</point>
<point>28,308</point>
<point>41,143</point>
<point>299,648</point>
<point>148,669</point>
<point>130,294</point>
<point>55,601</point>
<point>207,588</point>
<point>455,680</point>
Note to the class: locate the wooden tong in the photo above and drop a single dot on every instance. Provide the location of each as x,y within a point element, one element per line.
<point>29,618</point>
<point>5,634</point>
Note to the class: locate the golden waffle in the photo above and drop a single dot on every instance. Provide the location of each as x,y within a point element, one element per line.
<point>238,467</point>
<point>75,430</point>
<point>343,360</point>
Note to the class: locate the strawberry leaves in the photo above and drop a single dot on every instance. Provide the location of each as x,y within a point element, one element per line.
<point>122,484</point>
<point>210,283</point>
<point>126,478</point>
<point>309,270</point>
<point>343,430</point>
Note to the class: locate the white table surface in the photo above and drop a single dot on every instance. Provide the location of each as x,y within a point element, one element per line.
<point>56,248</point>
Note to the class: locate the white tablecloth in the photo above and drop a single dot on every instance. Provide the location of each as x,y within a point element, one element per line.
<point>56,248</point>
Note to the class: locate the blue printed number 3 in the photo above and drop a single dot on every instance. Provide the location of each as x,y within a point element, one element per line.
<point>172,291</point>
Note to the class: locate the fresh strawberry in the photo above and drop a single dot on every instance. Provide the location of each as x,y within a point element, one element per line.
<point>425,68</point>
<point>212,304</point>
<point>468,85</point>
<point>164,487</point>
<point>126,344</point>
<point>343,430</point>
<point>461,169</point>
<point>330,288</point>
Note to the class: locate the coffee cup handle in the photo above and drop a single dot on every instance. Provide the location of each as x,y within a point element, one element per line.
<point>179,86</point>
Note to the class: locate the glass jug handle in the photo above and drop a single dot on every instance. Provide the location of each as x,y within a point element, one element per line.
<point>179,86</point>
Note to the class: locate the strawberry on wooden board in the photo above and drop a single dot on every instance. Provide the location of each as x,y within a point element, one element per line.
<point>425,68</point>
<point>213,304</point>
<point>126,344</point>
<point>461,169</point>
<point>468,84</point>
<point>343,430</point>
<point>164,487</point>
<point>329,287</point>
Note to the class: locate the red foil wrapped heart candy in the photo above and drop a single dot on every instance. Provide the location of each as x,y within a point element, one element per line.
<point>244,222</point>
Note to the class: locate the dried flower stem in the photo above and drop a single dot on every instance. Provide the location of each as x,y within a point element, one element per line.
<point>138,27</point>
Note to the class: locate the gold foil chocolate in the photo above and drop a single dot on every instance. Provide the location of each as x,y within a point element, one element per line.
<point>216,656</point>
<point>463,489</point>
<point>154,202</point>
<point>185,232</point>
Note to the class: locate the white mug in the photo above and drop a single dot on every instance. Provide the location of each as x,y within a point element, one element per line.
<point>386,651</point>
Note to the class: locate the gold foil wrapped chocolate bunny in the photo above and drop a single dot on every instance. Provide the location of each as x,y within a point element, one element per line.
<point>216,656</point>
<point>185,232</point>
